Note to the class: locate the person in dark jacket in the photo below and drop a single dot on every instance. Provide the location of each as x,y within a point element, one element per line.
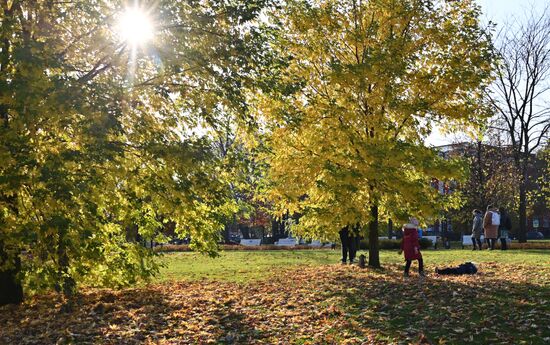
<point>349,244</point>
<point>477,229</point>
<point>466,268</point>
<point>504,228</point>
<point>410,246</point>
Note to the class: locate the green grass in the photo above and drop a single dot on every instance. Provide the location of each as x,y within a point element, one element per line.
<point>243,266</point>
<point>511,293</point>
<point>239,266</point>
<point>305,297</point>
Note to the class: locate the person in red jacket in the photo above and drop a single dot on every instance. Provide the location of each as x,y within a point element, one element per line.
<point>410,246</point>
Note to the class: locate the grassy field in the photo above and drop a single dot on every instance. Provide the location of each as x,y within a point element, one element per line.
<point>304,297</point>
<point>243,266</point>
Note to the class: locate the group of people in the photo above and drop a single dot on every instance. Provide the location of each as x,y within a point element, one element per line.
<point>410,245</point>
<point>494,224</point>
<point>349,236</point>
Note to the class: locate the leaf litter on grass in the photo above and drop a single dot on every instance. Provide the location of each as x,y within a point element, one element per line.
<point>329,304</point>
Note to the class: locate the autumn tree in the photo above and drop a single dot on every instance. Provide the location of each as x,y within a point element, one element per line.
<point>519,96</point>
<point>244,170</point>
<point>96,133</point>
<point>490,180</point>
<point>361,85</point>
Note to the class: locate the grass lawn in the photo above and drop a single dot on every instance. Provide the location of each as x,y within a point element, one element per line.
<point>304,297</point>
<point>243,266</point>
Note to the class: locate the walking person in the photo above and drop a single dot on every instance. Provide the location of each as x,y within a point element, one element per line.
<point>504,228</point>
<point>410,246</point>
<point>491,221</point>
<point>477,229</point>
<point>349,244</point>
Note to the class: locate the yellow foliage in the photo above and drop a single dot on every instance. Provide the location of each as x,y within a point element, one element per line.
<point>370,78</point>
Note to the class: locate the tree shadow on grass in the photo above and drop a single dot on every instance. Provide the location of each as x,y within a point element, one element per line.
<point>497,306</point>
<point>328,304</point>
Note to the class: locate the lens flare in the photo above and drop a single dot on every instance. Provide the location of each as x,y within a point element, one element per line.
<point>135,27</point>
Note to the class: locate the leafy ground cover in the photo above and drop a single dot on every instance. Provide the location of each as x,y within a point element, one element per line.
<point>310,300</point>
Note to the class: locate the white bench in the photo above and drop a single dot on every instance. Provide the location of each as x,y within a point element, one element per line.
<point>467,240</point>
<point>251,242</point>
<point>289,242</point>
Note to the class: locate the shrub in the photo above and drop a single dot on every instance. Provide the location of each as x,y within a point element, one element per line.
<point>394,244</point>
<point>383,244</point>
<point>425,243</point>
<point>528,245</point>
<point>268,240</point>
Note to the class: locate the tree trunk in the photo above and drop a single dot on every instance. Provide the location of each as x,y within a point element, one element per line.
<point>226,231</point>
<point>374,250</point>
<point>522,230</point>
<point>481,181</point>
<point>65,284</point>
<point>11,290</point>
<point>245,231</point>
<point>390,229</point>
<point>275,230</point>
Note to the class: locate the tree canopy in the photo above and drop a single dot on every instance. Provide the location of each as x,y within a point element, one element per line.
<point>364,81</point>
<point>101,138</point>
<point>104,140</point>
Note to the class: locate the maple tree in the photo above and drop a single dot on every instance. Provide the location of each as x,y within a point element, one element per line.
<point>97,137</point>
<point>361,85</point>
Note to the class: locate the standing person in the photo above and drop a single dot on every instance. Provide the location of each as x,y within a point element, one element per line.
<point>348,240</point>
<point>491,221</point>
<point>477,229</point>
<point>411,248</point>
<point>504,228</point>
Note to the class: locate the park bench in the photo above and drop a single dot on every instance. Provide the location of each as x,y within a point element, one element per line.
<point>251,242</point>
<point>289,242</point>
<point>467,240</point>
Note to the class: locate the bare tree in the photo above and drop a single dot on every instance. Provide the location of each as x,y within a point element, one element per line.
<point>521,94</point>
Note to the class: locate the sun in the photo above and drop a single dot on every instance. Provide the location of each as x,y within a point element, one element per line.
<point>135,27</point>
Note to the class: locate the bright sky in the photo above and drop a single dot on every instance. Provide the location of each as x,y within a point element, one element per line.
<point>499,12</point>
